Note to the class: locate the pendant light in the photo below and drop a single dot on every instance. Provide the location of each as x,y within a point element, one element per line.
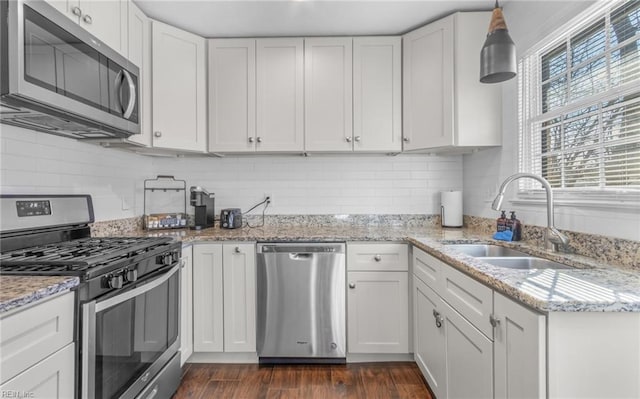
<point>498,55</point>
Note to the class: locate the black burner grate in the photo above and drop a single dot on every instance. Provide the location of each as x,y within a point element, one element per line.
<point>77,256</point>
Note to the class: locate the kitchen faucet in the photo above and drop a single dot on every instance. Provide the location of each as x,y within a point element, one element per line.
<point>552,237</point>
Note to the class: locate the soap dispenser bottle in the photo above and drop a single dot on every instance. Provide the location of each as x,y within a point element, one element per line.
<point>501,223</point>
<point>515,226</point>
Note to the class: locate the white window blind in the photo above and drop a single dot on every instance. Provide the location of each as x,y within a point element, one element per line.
<point>579,103</point>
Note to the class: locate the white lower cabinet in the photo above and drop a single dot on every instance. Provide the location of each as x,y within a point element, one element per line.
<point>377,298</point>
<point>224,286</point>
<point>377,312</point>
<point>186,304</point>
<point>38,353</point>
<point>519,350</point>
<point>429,350</point>
<point>454,349</point>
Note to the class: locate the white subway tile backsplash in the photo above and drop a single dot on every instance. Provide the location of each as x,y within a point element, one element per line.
<point>321,184</point>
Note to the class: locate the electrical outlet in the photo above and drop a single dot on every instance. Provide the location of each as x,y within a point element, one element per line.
<point>269,198</point>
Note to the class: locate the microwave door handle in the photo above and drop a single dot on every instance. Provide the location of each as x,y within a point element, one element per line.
<point>118,82</point>
<point>132,95</point>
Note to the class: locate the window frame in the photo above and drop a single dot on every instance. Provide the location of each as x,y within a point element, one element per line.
<point>530,96</point>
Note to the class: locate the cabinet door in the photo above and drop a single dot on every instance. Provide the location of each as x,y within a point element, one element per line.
<point>469,358</point>
<point>328,94</point>
<point>377,94</point>
<point>52,377</point>
<point>208,319</point>
<point>139,50</point>
<point>70,8</point>
<point>378,312</point>
<point>232,95</point>
<point>280,69</point>
<point>428,338</point>
<point>519,351</point>
<point>239,272</point>
<point>179,89</point>
<point>186,305</point>
<point>107,20</point>
<point>428,86</point>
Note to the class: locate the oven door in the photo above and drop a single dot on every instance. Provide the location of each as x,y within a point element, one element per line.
<point>129,337</point>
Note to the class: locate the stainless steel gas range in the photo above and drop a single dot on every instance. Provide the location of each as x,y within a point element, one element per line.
<point>127,302</point>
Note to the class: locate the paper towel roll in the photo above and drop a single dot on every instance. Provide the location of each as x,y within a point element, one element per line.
<point>451,208</point>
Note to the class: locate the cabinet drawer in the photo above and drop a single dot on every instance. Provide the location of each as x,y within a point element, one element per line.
<point>52,377</point>
<point>428,269</point>
<point>35,333</point>
<point>470,298</point>
<point>372,257</point>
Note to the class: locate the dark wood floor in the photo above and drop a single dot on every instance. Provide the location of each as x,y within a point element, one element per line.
<point>355,380</point>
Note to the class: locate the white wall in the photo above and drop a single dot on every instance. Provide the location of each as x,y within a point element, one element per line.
<point>336,184</point>
<point>33,162</point>
<point>528,23</point>
<point>39,163</point>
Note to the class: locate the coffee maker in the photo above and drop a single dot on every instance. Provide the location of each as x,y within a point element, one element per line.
<point>203,202</point>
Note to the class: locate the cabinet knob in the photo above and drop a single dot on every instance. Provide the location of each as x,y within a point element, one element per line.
<point>237,250</point>
<point>352,285</point>
<point>77,11</point>
<point>377,258</point>
<point>494,321</point>
<point>348,139</point>
<point>157,134</point>
<point>87,19</point>
<point>438,317</point>
<point>251,139</point>
<point>357,138</point>
<point>259,139</point>
<point>405,139</point>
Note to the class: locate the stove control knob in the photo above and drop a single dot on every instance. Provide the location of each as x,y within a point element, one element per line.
<point>131,275</point>
<point>175,256</point>
<point>167,259</point>
<point>116,281</point>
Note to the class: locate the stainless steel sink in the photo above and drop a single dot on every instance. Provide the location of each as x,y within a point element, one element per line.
<point>524,263</point>
<point>484,250</point>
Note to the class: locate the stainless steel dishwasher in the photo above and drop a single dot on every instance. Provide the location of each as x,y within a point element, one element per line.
<point>301,303</point>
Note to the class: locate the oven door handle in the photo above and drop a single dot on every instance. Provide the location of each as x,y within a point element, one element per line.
<point>125,296</point>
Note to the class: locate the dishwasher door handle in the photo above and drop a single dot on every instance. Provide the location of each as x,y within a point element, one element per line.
<point>300,256</point>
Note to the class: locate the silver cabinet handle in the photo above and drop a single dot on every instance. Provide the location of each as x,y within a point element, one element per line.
<point>494,321</point>
<point>183,263</point>
<point>438,318</point>
<point>157,134</point>
<point>348,139</point>
<point>87,19</point>
<point>405,139</point>
<point>132,95</point>
<point>352,285</point>
<point>153,393</point>
<point>251,139</point>
<point>357,138</point>
<point>237,250</point>
<point>259,139</point>
<point>377,258</point>
<point>77,11</point>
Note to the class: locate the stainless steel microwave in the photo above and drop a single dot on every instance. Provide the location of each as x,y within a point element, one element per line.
<point>58,78</point>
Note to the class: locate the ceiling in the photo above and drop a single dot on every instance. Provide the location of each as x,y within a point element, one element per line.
<point>240,18</point>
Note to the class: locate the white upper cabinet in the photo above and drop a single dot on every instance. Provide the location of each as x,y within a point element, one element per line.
<point>328,94</point>
<point>232,95</point>
<point>179,89</point>
<point>280,90</point>
<point>445,105</point>
<point>377,94</point>
<point>139,52</point>
<point>105,19</point>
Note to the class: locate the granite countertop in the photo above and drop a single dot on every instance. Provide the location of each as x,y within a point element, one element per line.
<point>590,286</point>
<point>16,291</point>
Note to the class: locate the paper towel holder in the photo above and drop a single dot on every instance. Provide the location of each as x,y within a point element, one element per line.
<point>451,209</point>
